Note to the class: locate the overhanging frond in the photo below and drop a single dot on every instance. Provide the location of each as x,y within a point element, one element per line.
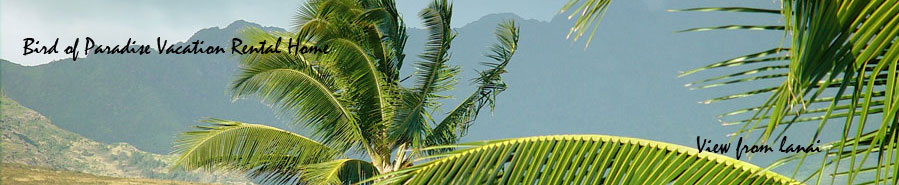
<point>841,67</point>
<point>581,159</point>
<point>589,13</point>
<point>304,91</point>
<point>263,152</point>
<point>340,171</point>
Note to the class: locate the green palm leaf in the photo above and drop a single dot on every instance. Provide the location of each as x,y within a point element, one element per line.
<point>263,152</point>
<point>589,13</point>
<point>581,159</point>
<point>341,171</point>
<point>302,89</point>
<point>433,75</point>
<point>841,66</point>
<point>490,84</point>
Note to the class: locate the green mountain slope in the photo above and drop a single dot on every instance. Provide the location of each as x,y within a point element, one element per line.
<point>29,138</point>
<point>143,100</point>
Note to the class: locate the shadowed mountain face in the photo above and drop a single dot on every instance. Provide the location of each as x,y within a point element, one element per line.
<point>623,84</point>
<point>31,139</point>
<point>144,100</point>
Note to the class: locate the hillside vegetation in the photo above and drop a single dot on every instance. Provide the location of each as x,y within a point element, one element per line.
<point>29,138</point>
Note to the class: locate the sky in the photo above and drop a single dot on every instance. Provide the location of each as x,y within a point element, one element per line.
<point>113,22</point>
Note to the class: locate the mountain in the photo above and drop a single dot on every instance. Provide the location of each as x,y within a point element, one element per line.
<point>143,100</point>
<point>29,138</point>
<point>146,100</point>
<point>623,84</point>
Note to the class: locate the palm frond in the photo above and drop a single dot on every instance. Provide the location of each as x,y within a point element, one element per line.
<point>305,91</point>
<point>490,84</point>
<point>262,152</point>
<point>340,171</point>
<point>589,13</point>
<point>358,58</point>
<point>729,9</point>
<point>393,36</point>
<point>434,75</point>
<point>735,27</point>
<point>842,67</point>
<point>581,159</point>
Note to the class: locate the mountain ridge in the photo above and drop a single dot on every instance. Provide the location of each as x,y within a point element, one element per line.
<point>162,85</point>
<point>29,138</point>
<point>556,86</point>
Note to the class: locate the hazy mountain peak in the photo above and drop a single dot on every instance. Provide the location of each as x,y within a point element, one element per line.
<point>222,36</point>
<point>7,62</point>
<point>497,18</point>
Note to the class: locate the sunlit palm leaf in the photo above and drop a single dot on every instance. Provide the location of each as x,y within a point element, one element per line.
<point>589,13</point>
<point>302,90</point>
<point>581,159</point>
<point>263,152</point>
<point>361,57</point>
<point>341,171</point>
<point>841,66</point>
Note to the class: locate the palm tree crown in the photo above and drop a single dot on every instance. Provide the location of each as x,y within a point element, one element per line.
<point>350,97</point>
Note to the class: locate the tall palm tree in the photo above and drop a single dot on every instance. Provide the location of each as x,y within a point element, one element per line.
<point>350,97</point>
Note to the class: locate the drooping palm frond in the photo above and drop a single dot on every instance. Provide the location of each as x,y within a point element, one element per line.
<point>841,66</point>
<point>589,13</point>
<point>360,58</point>
<point>392,35</point>
<point>303,90</point>
<point>490,84</point>
<point>366,83</point>
<point>340,171</point>
<point>266,153</point>
<point>433,75</point>
<point>581,159</point>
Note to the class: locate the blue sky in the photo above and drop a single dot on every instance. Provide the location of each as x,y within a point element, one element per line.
<point>114,21</point>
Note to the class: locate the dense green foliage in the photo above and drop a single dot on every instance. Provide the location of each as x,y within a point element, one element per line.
<point>351,97</point>
<point>840,66</point>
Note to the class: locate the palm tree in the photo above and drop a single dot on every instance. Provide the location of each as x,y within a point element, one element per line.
<point>350,97</point>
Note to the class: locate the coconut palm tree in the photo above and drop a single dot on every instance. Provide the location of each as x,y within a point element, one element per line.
<point>351,97</point>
